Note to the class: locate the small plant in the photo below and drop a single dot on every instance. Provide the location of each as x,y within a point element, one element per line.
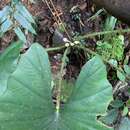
<point>112,49</point>
<point>111,46</point>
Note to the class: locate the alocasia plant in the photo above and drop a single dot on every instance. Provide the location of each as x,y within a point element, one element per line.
<point>27,103</point>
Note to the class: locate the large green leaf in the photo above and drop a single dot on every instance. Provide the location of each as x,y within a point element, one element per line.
<point>8,63</point>
<point>90,97</point>
<point>27,104</point>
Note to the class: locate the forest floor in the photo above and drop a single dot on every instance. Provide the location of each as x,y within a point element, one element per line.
<point>75,15</point>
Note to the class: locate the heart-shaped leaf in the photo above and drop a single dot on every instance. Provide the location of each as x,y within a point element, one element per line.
<point>90,97</point>
<point>8,63</point>
<point>27,104</point>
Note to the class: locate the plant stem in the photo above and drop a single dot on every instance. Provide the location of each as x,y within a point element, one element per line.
<point>55,48</point>
<point>60,80</point>
<point>102,33</point>
<point>89,36</point>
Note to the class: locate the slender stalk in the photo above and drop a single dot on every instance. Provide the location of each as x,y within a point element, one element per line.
<point>102,33</point>
<point>89,36</point>
<point>55,48</point>
<point>60,80</point>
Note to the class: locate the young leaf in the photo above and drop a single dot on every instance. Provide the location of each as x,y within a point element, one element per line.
<point>24,22</point>
<point>27,104</point>
<point>110,23</point>
<point>8,64</point>
<point>20,34</point>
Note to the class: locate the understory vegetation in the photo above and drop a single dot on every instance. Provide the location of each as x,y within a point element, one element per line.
<point>65,75</point>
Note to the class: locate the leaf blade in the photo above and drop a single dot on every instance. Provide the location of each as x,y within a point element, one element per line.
<point>31,105</point>
<point>86,101</point>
